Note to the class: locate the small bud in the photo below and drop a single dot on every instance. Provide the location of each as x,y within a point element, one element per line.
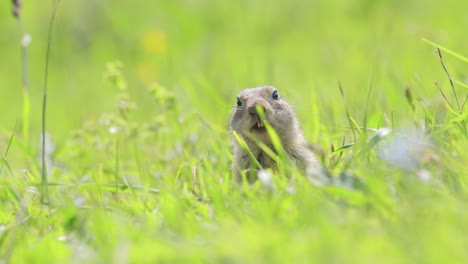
<point>16,8</point>
<point>409,98</point>
<point>26,40</point>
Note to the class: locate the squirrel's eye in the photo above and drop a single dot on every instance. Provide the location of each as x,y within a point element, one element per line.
<point>239,103</point>
<point>275,95</point>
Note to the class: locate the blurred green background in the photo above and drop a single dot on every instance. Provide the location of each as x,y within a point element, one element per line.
<point>206,51</point>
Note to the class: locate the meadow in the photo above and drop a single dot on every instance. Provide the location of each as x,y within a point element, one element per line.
<point>136,164</point>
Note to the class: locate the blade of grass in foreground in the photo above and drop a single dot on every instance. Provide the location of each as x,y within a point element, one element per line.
<point>352,123</point>
<point>451,52</point>
<point>246,149</point>
<point>44,190</point>
<point>364,129</point>
<point>456,55</point>
<point>4,158</point>
<point>449,77</point>
<point>24,43</point>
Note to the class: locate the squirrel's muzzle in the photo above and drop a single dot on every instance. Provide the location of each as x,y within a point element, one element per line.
<point>253,108</point>
<point>253,111</point>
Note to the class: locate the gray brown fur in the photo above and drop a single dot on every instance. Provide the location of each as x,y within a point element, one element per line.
<point>280,115</point>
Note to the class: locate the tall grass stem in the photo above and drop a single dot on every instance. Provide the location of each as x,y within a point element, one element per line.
<point>44,184</point>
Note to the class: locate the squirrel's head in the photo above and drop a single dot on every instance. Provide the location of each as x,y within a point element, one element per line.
<point>246,118</point>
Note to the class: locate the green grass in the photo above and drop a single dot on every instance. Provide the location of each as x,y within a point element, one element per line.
<point>138,157</point>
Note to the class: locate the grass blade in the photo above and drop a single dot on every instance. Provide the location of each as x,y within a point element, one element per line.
<point>439,53</point>
<point>4,158</point>
<point>453,53</point>
<point>44,189</point>
<point>351,121</point>
<point>246,149</point>
<point>367,102</point>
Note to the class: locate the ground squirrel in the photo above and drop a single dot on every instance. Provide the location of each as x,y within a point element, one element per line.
<point>246,120</point>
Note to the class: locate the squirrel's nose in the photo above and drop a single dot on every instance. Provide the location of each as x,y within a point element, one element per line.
<point>253,109</point>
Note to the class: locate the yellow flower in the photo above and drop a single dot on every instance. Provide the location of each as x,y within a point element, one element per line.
<point>155,41</point>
